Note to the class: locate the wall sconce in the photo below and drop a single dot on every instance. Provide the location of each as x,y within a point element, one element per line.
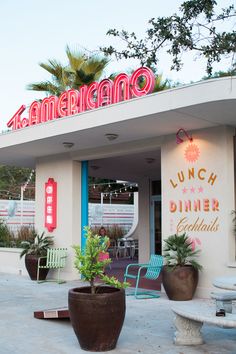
<point>179,140</point>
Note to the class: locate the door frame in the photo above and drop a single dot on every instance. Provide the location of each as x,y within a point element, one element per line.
<point>153,199</point>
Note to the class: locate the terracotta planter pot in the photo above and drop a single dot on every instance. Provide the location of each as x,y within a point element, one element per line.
<point>97,319</point>
<point>180,283</point>
<point>31,264</point>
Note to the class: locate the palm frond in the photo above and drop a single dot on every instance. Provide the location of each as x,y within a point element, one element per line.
<point>95,65</point>
<point>82,78</point>
<point>160,84</point>
<point>45,86</point>
<point>54,67</point>
<point>178,251</point>
<point>76,58</point>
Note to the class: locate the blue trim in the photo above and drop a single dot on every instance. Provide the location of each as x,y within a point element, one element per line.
<point>84,201</point>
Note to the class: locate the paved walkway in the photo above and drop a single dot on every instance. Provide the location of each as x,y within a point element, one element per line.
<point>148,327</point>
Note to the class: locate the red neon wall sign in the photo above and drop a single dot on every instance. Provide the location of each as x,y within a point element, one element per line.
<point>95,95</point>
<point>51,204</point>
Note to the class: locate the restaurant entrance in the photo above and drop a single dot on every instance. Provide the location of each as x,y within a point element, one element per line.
<point>155,225</point>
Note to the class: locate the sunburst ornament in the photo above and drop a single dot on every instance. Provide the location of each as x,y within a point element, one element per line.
<point>192,153</point>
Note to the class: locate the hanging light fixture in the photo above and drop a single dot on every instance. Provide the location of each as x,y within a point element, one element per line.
<point>150,159</point>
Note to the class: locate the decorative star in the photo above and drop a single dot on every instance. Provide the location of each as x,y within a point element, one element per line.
<point>192,189</point>
<point>184,190</point>
<point>200,190</point>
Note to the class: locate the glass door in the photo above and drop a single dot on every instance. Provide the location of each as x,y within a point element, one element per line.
<point>155,225</point>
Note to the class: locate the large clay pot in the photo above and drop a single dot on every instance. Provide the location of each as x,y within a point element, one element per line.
<point>97,319</point>
<point>180,283</point>
<point>31,264</point>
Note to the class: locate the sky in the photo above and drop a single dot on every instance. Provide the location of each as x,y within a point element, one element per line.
<point>33,31</point>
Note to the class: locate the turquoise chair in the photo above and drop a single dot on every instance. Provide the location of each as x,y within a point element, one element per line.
<point>153,269</point>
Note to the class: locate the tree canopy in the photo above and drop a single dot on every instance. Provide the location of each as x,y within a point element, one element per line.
<point>221,73</point>
<point>199,26</point>
<point>11,180</point>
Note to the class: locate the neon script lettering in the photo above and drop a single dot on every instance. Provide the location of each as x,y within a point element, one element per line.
<point>95,95</point>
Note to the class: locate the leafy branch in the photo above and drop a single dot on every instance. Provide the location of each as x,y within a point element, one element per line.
<point>198,28</point>
<point>88,264</point>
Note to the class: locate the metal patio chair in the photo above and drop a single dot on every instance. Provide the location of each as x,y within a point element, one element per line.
<point>153,269</point>
<point>56,259</point>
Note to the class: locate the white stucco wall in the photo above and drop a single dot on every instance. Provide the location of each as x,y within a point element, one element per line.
<point>10,261</point>
<point>67,174</point>
<point>209,178</point>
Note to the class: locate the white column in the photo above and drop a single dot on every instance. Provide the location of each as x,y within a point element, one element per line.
<point>67,174</point>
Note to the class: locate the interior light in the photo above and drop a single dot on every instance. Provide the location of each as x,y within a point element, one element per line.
<point>111,136</point>
<point>68,145</point>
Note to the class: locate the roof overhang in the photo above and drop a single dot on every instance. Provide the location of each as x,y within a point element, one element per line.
<point>201,105</point>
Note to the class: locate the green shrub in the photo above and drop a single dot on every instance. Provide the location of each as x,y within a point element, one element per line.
<point>5,235</point>
<point>25,233</point>
<point>88,264</point>
<point>14,240</point>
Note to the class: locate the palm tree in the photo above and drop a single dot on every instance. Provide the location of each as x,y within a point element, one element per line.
<point>81,69</point>
<point>160,84</point>
<point>84,69</point>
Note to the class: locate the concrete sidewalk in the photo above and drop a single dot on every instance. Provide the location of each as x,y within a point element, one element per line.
<point>148,326</point>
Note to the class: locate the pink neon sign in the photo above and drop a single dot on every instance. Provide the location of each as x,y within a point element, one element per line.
<point>86,98</point>
<point>51,204</point>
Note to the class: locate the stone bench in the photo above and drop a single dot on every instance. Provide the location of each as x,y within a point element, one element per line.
<point>191,316</point>
<point>224,300</point>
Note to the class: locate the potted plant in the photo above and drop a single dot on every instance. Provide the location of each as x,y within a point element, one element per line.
<point>96,311</point>
<point>180,273</point>
<point>32,250</point>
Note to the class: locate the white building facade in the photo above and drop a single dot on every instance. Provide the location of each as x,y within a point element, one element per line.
<point>187,187</point>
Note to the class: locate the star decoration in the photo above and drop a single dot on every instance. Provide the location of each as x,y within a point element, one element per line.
<point>184,190</point>
<point>200,190</point>
<point>192,190</point>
